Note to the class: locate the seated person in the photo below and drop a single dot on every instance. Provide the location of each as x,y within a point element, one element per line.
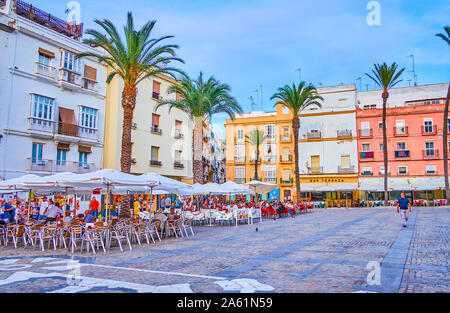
<point>89,218</point>
<point>172,215</point>
<point>35,214</point>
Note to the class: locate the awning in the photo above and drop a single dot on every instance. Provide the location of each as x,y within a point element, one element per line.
<point>84,149</point>
<point>63,146</point>
<point>68,124</point>
<point>46,52</point>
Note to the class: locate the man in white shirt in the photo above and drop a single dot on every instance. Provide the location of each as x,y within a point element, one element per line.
<point>43,207</point>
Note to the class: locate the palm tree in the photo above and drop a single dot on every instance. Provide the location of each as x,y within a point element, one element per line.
<point>297,98</point>
<point>200,100</point>
<point>446,38</point>
<point>134,59</point>
<point>256,138</point>
<point>385,77</point>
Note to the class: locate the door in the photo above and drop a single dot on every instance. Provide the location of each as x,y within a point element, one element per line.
<point>287,195</point>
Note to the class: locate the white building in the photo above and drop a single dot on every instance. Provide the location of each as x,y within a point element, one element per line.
<point>51,104</point>
<point>328,153</point>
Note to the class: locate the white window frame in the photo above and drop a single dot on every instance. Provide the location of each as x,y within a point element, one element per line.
<point>425,121</point>
<point>367,169</point>
<point>239,172</point>
<point>364,144</point>
<point>402,166</point>
<point>92,117</point>
<point>36,107</point>
<point>428,166</point>
<point>67,61</point>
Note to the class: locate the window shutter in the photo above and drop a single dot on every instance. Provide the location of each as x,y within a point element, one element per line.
<point>46,52</point>
<point>286,175</point>
<point>345,162</point>
<point>178,97</point>
<point>157,87</point>
<point>90,73</point>
<point>155,120</point>
<point>68,122</point>
<point>315,163</point>
<point>178,125</point>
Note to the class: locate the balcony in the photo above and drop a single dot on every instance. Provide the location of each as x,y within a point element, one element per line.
<point>156,130</point>
<point>270,158</point>
<point>367,155</point>
<point>38,16</point>
<point>367,173</point>
<point>69,79</point>
<point>252,161</point>
<point>239,180</point>
<point>90,84</point>
<point>286,138</point>
<point>51,166</point>
<point>429,130</point>
<point>178,134</point>
<point>314,135</point>
<point>239,160</point>
<point>401,131</point>
<point>316,170</point>
<point>156,96</point>
<point>286,158</point>
<point>271,180</point>
<point>178,165</point>
<point>41,125</point>
<point>288,182</point>
<point>155,163</point>
<point>88,133</point>
<point>402,154</point>
<point>346,133</point>
<point>366,133</point>
<point>350,169</point>
<point>430,154</point>
<point>45,70</point>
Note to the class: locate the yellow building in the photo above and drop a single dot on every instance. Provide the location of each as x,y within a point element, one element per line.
<point>276,154</point>
<point>161,142</point>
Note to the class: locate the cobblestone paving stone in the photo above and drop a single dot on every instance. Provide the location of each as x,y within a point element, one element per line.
<point>327,250</point>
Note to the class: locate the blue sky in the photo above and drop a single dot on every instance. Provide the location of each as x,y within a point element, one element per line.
<point>247,43</point>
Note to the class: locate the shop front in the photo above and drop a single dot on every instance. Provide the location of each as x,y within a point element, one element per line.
<point>334,191</point>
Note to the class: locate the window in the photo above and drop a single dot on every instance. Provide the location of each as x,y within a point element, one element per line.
<point>286,175</point>
<point>431,169</point>
<point>402,170</point>
<point>270,150</point>
<point>240,134</point>
<point>178,125</point>
<point>269,131</point>
<point>270,171</point>
<point>239,172</point>
<point>239,151</point>
<point>429,148</point>
<point>155,120</point>
<point>61,157</point>
<point>428,125</point>
<point>155,153</point>
<point>400,127</point>
<point>345,161</point>
<point>42,107</point>
<point>88,117</point>
<point>315,163</point>
<point>401,146</point>
<point>82,159</point>
<point>36,153</point>
<point>367,170</point>
<point>285,110</point>
<point>156,89</point>
<point>448,125</point>
<point>178,156</point>
<point>285,132</point>
<point>382,170</point>
<point>381,146</point>
<point>365,129</point>
<point>380,124</point>
<point>67,60</point>
<point>366,147</point>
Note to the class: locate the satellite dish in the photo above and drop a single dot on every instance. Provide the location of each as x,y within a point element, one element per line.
<point>73,12</point>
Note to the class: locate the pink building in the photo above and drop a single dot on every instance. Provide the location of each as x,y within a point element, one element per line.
<point>414,141</point>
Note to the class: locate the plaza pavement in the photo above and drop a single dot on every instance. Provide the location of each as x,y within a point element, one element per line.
<point>327,250</point>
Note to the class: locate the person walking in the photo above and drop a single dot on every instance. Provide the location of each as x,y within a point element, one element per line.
<point>404,208</point>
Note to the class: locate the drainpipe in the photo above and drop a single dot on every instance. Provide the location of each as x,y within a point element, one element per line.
<point>9,103</point>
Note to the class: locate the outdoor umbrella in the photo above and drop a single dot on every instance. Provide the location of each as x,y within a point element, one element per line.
<point>13,182</point>
<point>260,187</point>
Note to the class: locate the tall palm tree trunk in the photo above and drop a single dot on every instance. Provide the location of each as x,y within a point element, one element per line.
<point>385,148</point>
<point>256,164</point>
<point>197,140</point>
<point>128,105</point>
<point>445,145</point>
<point>295,128</point>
